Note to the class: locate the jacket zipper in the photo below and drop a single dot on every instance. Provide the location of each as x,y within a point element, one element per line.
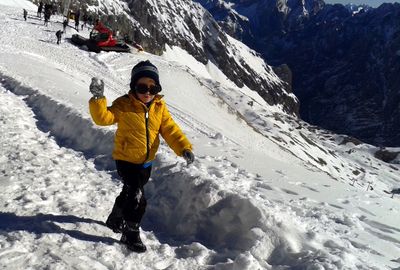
<point>146,115</point>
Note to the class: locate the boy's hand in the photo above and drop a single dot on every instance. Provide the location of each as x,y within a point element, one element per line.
<point>97,87</point>
<point>188,156</point>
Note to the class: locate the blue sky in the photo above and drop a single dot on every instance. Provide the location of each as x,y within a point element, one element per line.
<point>372,3</point>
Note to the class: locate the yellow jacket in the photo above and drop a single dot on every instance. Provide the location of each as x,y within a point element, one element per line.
<point>136,139</point>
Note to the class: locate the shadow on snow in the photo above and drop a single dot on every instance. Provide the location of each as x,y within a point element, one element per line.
<point>46,223</point>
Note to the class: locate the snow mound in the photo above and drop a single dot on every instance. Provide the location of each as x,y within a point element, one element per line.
<point>56,118</point>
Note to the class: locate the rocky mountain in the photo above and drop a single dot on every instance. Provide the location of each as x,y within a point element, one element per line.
<point>186,24</point>
<point>189,26</point>
<point>344,64</point>
<point>257,22</point>
<point>357,8</point>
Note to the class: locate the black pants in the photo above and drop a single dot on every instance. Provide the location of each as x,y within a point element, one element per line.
<point>131,199</point>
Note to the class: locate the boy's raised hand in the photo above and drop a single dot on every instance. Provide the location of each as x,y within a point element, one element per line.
<point>97,87</point>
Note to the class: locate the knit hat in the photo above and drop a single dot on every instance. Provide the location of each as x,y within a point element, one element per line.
<point>144,69</point>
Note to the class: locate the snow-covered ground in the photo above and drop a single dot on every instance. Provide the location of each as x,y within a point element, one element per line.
<point>265,192</point>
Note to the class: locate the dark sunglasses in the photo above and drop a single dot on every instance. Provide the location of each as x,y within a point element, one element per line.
<point>143,89</point>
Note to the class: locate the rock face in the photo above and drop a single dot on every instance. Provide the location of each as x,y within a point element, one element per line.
<point>258,22</point>
<point>188,25</point>
<point>183,23</point>
<point>344,64</point>
<point>350,83</point>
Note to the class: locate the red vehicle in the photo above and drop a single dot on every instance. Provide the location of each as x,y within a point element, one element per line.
<point>102,35</point>
<point>101,39</point>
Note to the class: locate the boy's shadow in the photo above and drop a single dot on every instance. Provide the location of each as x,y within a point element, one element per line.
<point>45,223</point>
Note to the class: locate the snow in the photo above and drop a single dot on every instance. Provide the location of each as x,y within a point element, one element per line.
<point>180,56</point>
<point>253,60</point>
<point>266,191</point>
<point>20,4</point>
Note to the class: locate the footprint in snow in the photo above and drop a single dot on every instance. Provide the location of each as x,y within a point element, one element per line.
<point>215,171</point>
<point>289,191</point>
<point>336,206</point>
<point>263,186</point>
<point>343,201</point>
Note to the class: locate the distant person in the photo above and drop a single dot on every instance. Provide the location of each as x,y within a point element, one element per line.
<point>40,9</point>
<point>98,24</point>
<point>127,39</point>
<point>84,19</point>
<point>77,15</point>
<point>47,13</point>
<point>65,23</point>
<point>25,14</point>
<point>141,117</point>
<point>46,19</point>
<point>59,35</point>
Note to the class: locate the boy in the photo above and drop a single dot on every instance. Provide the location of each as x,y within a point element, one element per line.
<point>142,116</point>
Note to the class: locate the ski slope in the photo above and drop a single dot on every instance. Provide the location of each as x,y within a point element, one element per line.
<point>266,191</point>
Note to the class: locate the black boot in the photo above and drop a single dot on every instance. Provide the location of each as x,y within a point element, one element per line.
<point>115,221</point>
<point>131,237</point>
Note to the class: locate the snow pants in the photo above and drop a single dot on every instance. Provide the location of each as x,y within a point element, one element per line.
<point>131,199</point>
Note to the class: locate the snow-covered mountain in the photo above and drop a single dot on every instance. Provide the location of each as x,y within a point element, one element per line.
<point>186,24</point>
<point>354,8</point>
<point>256,22</point>
<point>267,191</point>
<point>344,64</point>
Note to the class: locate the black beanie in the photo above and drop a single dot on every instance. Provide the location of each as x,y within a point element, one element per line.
<point>144,69</point>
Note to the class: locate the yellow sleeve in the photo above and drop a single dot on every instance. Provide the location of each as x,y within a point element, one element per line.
<point>173,135</point>
<point>102,115</point>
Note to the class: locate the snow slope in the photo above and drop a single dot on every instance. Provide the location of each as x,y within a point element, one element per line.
<point>265,192</point>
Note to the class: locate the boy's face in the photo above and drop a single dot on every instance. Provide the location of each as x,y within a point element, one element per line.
<point>146,97</point>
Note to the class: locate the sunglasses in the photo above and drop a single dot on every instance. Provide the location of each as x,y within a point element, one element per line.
<point>143,89</point>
